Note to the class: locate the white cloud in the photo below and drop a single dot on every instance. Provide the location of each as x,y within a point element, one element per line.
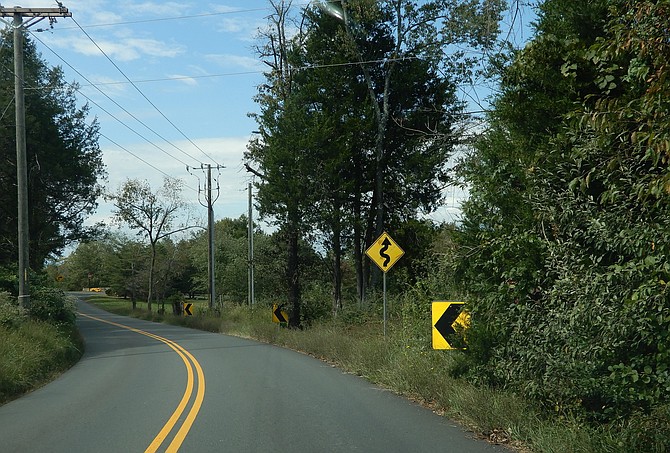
<point>156,8</point>
<point>120,49</point>
<point>227,151</point>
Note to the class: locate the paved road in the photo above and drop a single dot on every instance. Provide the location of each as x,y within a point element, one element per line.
<point>151,387</point>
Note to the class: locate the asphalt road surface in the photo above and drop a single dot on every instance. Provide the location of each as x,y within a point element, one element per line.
<point>142,386</point>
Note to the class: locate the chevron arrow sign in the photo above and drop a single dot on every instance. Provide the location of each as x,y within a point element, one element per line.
<point>449,322</point>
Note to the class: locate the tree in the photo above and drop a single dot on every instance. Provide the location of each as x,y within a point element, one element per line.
<point>64,160</point>
<point>129,267</point>
<point>561,249</point>
<point>421,36</point>
<point>153,214</point>
<point>357,119</point>
<point>89,266</point>
<point>282,192</point>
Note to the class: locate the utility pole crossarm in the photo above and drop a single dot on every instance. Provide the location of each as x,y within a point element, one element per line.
<point>35,12</point>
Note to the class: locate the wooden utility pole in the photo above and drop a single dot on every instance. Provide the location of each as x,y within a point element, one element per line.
<point>209,204</point>
<point>210,242</point>
<point>250,235</point>
<point>36,15</point>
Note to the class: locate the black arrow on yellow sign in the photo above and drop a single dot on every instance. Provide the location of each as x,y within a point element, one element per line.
<point>278,315</point>
<point>449,321</point>
<point>444,325</point>
<point>187,309</point>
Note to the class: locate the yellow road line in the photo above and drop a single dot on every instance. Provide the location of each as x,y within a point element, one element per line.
<point>200,396</point>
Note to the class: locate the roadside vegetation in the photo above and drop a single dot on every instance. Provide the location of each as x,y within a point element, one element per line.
<point>38,344</point>
<point>560,252</point>
<point>405,363</point>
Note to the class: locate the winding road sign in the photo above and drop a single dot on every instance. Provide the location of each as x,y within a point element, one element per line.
<point>449,321</point>
<point>384,252</point>
<point>187,309</point>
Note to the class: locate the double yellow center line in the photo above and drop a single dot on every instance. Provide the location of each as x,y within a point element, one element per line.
<point>190,363</point>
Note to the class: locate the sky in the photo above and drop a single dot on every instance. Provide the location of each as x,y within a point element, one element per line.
<point>194,74</point>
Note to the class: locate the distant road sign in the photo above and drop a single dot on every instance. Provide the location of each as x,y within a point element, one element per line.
<point>59,278</point>
<point>187,309</point>
<point>278,315</point>
<point>448,318</point>
<point>384,252</point>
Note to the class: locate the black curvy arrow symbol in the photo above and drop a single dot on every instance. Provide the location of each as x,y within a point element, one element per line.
<point>279,314</point>
<point>444,324</point>
<point>386,257</point>
<point>187,309</point>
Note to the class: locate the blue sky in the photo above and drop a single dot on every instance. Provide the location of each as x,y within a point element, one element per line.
<point>194,74</point>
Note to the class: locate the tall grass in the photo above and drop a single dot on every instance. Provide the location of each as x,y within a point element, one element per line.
<point>36,345</point>
<point>34,353</point>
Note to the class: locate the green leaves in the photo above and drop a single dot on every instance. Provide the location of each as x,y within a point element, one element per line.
<point>62,145</point>
<point>567,265</point>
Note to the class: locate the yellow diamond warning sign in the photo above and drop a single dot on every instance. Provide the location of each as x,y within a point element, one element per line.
<point>384,252</point>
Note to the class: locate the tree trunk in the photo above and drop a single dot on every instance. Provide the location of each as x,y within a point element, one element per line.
<point>337,270</point>
<point>151,275</point>
<point>293,275</point>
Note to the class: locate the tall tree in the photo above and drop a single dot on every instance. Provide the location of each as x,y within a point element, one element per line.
<point>421,37</point>
<point>358,116</point>
<point>278,154</point>
<point>152,214</point>
<point>64,161</point>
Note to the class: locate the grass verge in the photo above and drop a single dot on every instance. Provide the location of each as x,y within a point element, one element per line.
<point>405,364</point>
<point>34,353</point>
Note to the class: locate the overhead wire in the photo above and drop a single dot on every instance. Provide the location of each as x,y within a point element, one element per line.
<point>122,108</point>
<point>134,83</point>
<point>103,109</point>
<point>145,97</point>
<point>108,113</point>
<point>165,19</point>
<point>143,160</point>
<point>103,135</point>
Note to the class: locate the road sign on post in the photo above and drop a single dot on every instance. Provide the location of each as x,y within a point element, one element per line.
<point>449,321</point>
<point>384,252</point>
<point>187,309</point>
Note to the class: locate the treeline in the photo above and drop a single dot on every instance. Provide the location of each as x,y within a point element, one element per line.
<point>563,249</point>
<point>120,265</point>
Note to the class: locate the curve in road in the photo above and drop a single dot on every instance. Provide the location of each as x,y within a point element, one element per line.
<point>190,362</point>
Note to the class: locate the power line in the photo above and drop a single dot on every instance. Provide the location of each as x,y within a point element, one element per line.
<point>165,19</point>
<point>122,108</point>
<point>144,96</point>
<point>114,117</point>
<point>146,162</point>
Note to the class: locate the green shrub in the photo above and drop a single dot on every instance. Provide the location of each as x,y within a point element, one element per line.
<point>11,314</point>
<point>316,303</point>
<point>33,353</point>
<point>52,305</point>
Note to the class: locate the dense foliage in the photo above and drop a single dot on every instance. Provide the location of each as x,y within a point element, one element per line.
<point>64,161</point>
<point>37,345</point>
<point>563,249</point>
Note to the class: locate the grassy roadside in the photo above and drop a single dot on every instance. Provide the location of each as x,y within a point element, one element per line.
<point>34,351</point>
<point>407,365</point>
